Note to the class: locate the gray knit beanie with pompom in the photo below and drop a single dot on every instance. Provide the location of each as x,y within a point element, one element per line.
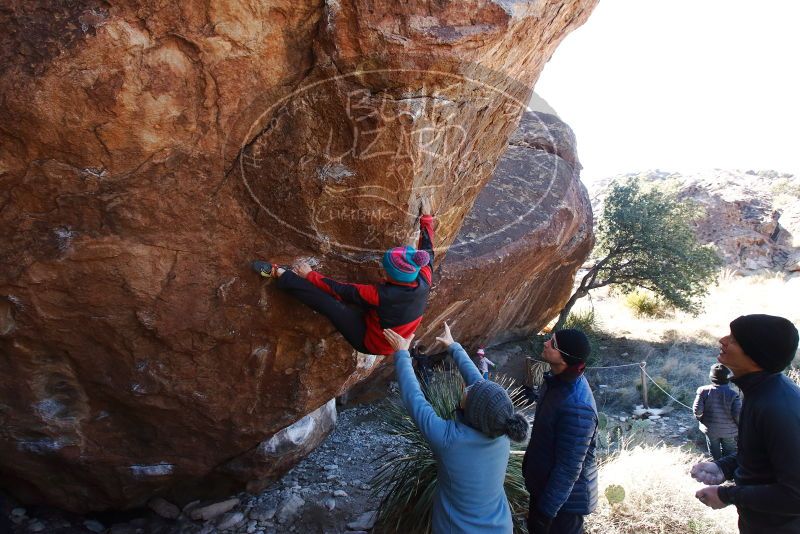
<point>489,409</point>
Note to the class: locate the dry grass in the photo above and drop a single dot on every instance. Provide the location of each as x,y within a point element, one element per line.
<point>684,370</point>
<point>679,347</point>
<point>659,491</point>
<point>774,294</point>
<point>659,496</point>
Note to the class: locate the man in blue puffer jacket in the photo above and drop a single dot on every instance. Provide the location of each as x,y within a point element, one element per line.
<point>559,465</point>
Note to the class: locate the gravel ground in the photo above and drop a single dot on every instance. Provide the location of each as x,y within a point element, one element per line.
<point>328,492</point>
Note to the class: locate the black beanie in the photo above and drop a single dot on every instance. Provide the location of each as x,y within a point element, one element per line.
<point>768,340</point>
<point>575,344</point>
<point>719,374</point>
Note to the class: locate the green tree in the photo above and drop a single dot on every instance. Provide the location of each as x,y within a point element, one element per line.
<point>645,240</point>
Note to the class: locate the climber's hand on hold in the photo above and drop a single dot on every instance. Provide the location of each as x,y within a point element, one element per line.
<point>426,208</point>
<point>446,338</point>
<point>302,269</point>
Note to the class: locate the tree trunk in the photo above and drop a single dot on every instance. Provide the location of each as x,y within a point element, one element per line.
<point>587,283</point>
<point>562,316</point>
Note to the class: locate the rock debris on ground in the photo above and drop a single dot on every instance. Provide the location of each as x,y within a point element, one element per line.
<point>328,492</point>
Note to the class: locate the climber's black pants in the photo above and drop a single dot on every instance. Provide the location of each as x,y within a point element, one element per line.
<point>348,321</point>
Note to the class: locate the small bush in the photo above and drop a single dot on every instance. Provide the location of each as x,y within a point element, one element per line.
<point>655,395</point>
<point>786,185</point>
<point>684,372</point>
<point>726,275</point>
<point>644,304</point>
<point>602,421</point>
<point>617,437</point>
<point>585,321</point>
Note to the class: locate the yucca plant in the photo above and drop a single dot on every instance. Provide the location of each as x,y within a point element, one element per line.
<point>405,483</point>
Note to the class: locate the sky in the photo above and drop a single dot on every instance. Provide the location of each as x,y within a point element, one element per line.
<point>681,85</point>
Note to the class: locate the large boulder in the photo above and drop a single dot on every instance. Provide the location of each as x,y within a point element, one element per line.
<point>149,150</point>
<point>512,266</point>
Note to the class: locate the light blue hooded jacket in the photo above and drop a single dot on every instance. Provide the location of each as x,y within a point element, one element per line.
<point>471,466</point>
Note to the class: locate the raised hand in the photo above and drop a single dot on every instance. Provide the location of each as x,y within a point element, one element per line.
<point>302,269</point>
<point>447,338</point>
<point>707,473</point>
<point>427,206</point>
<point>397,341</point>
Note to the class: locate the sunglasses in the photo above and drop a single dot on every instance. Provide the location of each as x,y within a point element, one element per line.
<point>553,343</point>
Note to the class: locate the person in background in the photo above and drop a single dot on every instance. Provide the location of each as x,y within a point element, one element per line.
<point>559,464</point>
<point>484,363</point>
<point>766,468</point>
<point>717,407</point>
<point>471,450</point>
<point>423,362</point>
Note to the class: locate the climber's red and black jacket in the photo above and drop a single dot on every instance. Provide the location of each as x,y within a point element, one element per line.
<point>389,304</point>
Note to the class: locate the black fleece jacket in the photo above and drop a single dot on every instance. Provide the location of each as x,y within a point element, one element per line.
<point>766,468</point>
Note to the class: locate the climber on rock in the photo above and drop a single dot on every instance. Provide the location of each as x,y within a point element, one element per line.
<point>361,312</point>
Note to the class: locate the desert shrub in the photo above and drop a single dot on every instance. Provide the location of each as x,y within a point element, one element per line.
<point>585,320</point>
<point>622,398</point>
<point>684,373</point>
<point>645,304</point>
<point>651,491</point>
<point>617,436</point>
<point>657,396</point>
<point>786,185</point>
<point>726,275</point>
<point>406,483</point>
<point>602,421</point>
<point>765,277</point>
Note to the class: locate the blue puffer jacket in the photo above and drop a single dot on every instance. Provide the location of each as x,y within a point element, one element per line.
<point>559,465</point>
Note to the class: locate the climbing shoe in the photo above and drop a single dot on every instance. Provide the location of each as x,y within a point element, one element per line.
<point>264,268</point>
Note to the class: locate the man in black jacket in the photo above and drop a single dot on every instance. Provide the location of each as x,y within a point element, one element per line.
<point>766,470</point>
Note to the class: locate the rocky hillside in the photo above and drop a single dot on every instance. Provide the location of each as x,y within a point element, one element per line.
<point>751,217</point>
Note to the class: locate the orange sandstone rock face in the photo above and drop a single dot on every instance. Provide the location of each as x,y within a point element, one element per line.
<point>148,151</point>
